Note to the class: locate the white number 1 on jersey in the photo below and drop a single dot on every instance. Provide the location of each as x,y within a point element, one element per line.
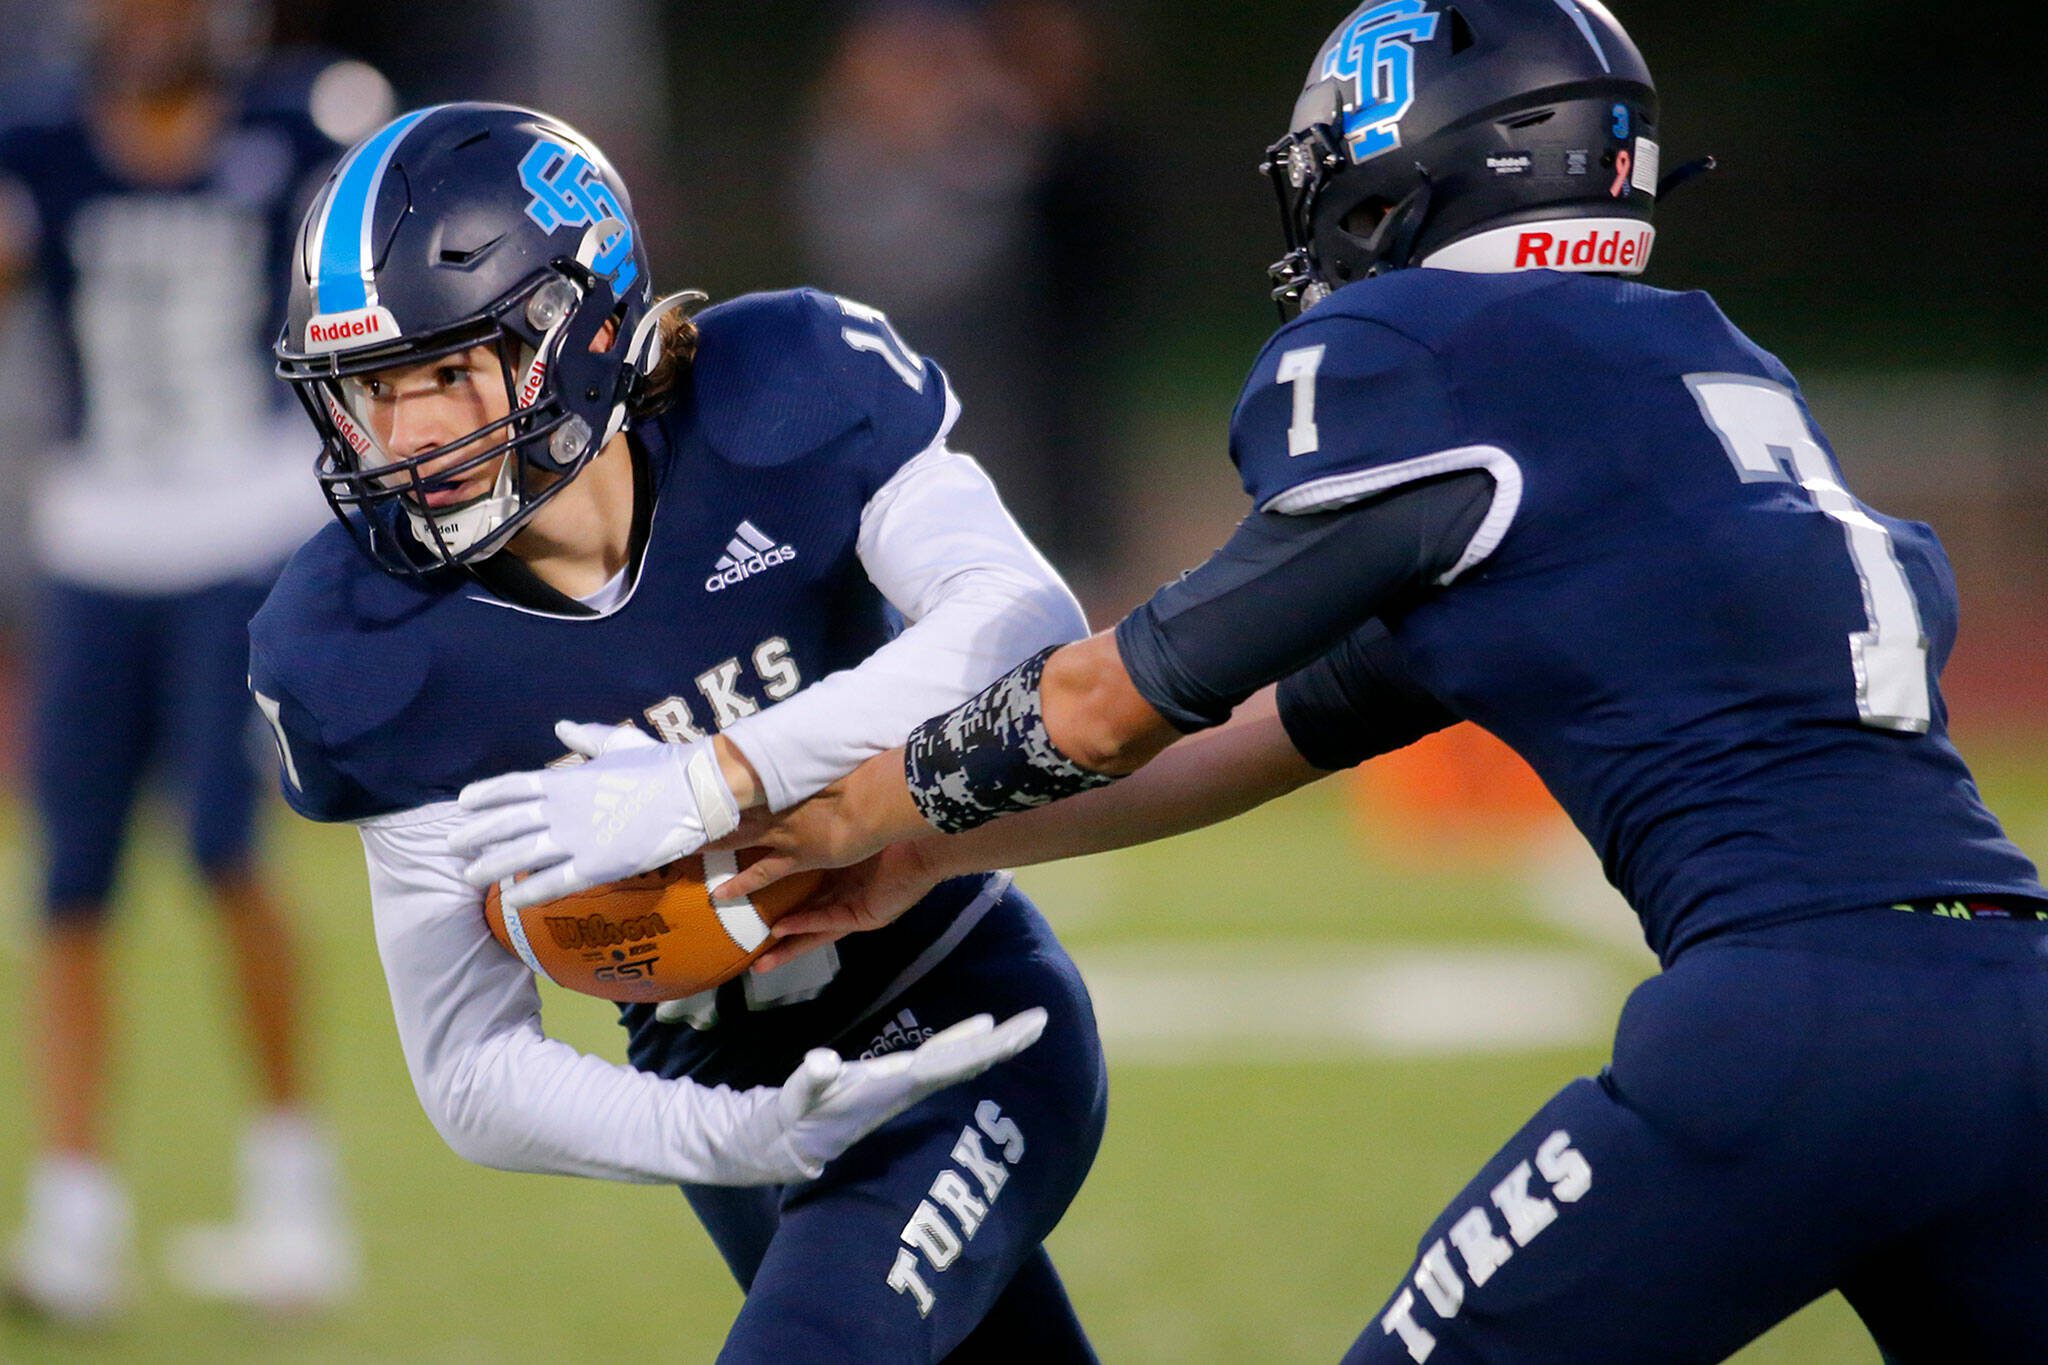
<point>1766,435</point>
<point>871,331</point>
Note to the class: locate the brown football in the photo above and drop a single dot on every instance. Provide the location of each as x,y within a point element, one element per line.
<point>653,937</point>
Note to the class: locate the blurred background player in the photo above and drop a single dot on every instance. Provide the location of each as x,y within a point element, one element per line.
<point>992,260</point>
<point>152,208</point>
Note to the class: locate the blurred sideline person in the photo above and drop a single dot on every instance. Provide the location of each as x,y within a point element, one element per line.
<point>558,496</point>
<point>1030,225</point>
<point>1497,480</point>
<point>143,207</point>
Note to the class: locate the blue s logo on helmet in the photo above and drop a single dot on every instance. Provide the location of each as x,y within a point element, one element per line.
<point>568,192</point>
<point>1375,55</point>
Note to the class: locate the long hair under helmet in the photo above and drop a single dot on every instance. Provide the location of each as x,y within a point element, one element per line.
<point>1483,135</point>
<point>452,227</point>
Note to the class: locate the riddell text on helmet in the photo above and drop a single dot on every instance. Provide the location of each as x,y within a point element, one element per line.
<point>1555,251</point>
<point>339,331</point>
<point>345,330</point>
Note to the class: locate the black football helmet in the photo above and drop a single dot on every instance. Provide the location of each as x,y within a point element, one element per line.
<point>1474,134</point>
<point>450,227</point>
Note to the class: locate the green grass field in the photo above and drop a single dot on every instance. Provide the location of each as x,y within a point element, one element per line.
<point>1250,1204</point>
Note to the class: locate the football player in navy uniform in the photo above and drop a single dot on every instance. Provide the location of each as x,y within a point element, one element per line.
<point>139,208</point>
<point>743,535</point>
<point>1498,480</point>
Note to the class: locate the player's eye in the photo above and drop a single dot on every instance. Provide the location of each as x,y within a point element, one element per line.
<point>448,376</point>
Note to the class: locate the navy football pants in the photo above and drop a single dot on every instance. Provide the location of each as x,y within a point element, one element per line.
<point>1854,1103</point>
<point>923,1242</point>
<point>121,681</point>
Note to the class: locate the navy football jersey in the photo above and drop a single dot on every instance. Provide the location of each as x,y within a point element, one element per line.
<point>388,695</point>
<point>1720,661</point>
<point>139,275</point>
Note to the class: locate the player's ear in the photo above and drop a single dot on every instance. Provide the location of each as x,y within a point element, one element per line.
<point>606,334</point>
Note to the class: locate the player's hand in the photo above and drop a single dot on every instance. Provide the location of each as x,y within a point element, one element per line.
<point>852,900</point>
<point>829,1103</point>
<point>638,803</point>
<point>846,823</point>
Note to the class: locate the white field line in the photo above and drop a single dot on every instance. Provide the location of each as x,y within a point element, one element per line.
<point>1198,1003</point>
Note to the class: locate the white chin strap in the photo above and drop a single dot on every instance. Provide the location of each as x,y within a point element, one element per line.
<point>460,528</point>
<point>1616,246</point>
<point>640,353</point>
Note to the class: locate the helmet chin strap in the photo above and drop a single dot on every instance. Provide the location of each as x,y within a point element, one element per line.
<point>641,354</point>
<point>640,351</point>
<point>467,526</point>
<point>1390,245</point>
<point>1393,241</point>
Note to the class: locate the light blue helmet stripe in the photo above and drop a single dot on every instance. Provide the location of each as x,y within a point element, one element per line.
<point>342,282</point>
<point>1585,27</point>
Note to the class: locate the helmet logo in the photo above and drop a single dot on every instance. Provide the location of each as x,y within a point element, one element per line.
<point>569,191</point>
<point>1375,55</point>
<point>346,425</point>
<point>1617,246</point>
<point>344,331</point>
<point>529,387</point>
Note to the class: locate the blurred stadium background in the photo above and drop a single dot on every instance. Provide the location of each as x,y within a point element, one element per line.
<point>1322,1017</point>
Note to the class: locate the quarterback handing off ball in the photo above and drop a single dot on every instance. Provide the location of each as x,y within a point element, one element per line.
<point>654,937</point>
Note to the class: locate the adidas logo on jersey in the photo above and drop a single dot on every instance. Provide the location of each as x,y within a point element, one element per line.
<point>901,1032</point>
<point>748,552</point>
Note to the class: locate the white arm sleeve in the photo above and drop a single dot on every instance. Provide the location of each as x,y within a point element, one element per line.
<point>499,1091</point>
<point>939,544</point>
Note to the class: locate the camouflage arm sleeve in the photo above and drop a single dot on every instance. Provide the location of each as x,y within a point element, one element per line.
<point>991,756</point>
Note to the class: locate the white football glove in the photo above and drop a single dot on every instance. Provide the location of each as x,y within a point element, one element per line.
<point>829,1103</point>
<point>638,803</point>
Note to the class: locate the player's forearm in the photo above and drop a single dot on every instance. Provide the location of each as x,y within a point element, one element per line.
<point>496,1088</point>
<point>1201,781</point>
<point>1063,722</point>
<point>938,544</point>
<point>519,1101</point>
<point>999,752</point>
<point>984,626</point>
<point>1095,715</point>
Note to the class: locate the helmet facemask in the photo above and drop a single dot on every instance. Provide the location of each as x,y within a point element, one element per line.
<point>1300,165</point>
<point>556,421</point>
<point>1319,210</point>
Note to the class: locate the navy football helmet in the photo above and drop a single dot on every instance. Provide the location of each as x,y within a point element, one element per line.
<point>452,227</point>
<point>1472,134</point>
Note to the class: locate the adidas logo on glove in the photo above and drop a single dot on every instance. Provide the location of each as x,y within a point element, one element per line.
<point>748,552</point>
